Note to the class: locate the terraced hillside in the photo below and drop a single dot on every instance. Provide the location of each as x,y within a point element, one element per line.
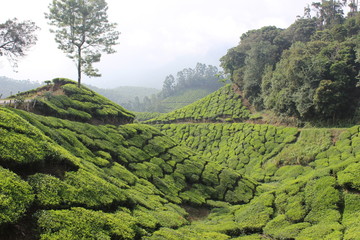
<point>63,179</point>
<point>70,180</point>
<point>183,98</point>
<point>222,105</point>
<point>63,99</point>
<point>307,187</point>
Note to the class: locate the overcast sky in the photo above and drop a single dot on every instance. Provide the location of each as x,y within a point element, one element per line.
<point>158,37</point>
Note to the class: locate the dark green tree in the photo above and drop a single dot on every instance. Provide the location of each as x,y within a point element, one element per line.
<point>329,12</point>
<point>16,38</point>
<point>83,32</point>
<point>247,62</point>
<point>315,79</point>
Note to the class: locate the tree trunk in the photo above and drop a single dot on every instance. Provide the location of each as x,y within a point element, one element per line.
<point>79,67</point>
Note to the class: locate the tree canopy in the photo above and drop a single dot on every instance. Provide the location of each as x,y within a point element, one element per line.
<point>309,70</point>
<point>83,32</point>
<point>16,38</point>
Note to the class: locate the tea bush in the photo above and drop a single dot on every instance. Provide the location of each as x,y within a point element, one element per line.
<point>15,196</point>
<point>80,223</point>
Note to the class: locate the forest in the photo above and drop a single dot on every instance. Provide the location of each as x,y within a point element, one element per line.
<point>308,71</point>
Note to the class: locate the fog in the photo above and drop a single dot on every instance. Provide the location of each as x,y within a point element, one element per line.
<point>158,37</point>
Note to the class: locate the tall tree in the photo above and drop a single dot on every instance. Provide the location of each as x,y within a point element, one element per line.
<point>16,38</point>
<point>329,12</point>
<point>83,32</point>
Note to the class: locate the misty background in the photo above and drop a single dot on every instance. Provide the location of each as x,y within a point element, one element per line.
<point>158,37</point>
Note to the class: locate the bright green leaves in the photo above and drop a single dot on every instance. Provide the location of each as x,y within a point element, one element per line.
<point>20,149</point>
<point>242,147</point>
<point>15,196</point>
<point>80,223</point>
<point>310,143</point>
<point>81,104</point>
<point>217,106</point>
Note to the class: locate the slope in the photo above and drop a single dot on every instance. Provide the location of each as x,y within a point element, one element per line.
<point>125,95</point>
<point>62,98</point>
<point>221,105</point>
<point>65,179</point>
<point>307,184</point>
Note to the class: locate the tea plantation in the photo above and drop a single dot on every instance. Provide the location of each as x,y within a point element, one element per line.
<point>66,179</point>
<point>219,106</point>
<point>63,99</point>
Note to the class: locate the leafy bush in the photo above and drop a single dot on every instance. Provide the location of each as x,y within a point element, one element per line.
<point>80,223</point>
<point>16,196</point>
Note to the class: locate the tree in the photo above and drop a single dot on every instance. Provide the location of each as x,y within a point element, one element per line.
<point>83,32</point>
<point>168,86</point>
<point>329,12</point>
<point>16,38</point>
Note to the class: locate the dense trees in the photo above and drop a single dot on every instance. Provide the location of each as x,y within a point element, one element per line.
<point>16,38</point>
<point>309,70</point>
<point>246,62</point>
<point>188,86</point>
<point>202,76</point>
<point>83,32</point>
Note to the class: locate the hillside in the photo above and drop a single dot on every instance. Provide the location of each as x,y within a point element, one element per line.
<point>222,105</point>
<point>75,165</point>
<point>187,86</point>
<point>183,98</point>
<point>75,179</point>
<point>125,96</point>
<point>306,179</point>
<point>10,86</point>
<point>62,98</point>
<point>64,179</point>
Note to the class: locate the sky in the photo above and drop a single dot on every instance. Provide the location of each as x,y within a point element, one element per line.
<point>158,37</point>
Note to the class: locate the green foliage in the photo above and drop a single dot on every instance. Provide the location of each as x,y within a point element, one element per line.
<point>324,90</point>
<point>280,228</point>
<point>254,216</point>
<point>91,33</point>
<point>247,62</point>
<point>242,147</point>
<point>49,190</point>
<point>185,233</point>
<point>143,116</point>
<point>219,105</point>
<point>310,143</point>
<point>80,223</point>
<point>308,71</point>
<point>351,216</point>
<point>15,196</point>
<point>80,104</point>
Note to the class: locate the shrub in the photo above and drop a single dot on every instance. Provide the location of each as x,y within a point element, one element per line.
<point>80,223</point>
<point>15,196</point>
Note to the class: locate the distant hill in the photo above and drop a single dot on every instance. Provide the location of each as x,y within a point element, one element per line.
<point>125,95</point>
<point>188,86</point>
<point>11,86</point>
